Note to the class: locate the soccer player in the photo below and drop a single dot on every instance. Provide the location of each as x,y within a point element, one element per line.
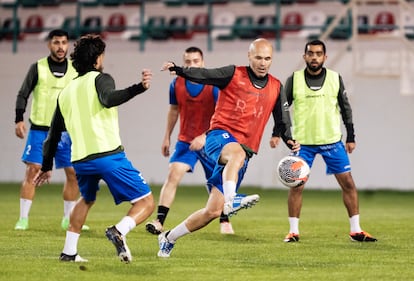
<point>45,79</point>
<point>87,108</point>
<point>319,100</point>
<point>248,95</point>
<point>194,104</point>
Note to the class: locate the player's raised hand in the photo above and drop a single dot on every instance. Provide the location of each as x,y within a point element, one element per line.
<point>167,66</point>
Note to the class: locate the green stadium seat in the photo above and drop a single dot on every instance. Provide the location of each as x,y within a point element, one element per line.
<point>156,28</point>
<point>267,26</point>
<point>178,28</point>
<point>244,28</point>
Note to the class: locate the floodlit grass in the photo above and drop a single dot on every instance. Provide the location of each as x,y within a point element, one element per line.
<point>256,252</point>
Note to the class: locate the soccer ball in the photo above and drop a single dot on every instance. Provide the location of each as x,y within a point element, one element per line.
<point>293,171</point>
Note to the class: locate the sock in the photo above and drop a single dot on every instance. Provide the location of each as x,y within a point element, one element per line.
<point>229,190</point>
<point>67,207</point>
<point>294,225</point>
<point>177,232</point>
<point>25,205</point>
<point>224,218</point>
<point>354,223</point>
<point>71,243</point>
<point>125,225</point>
<point>162,214</point>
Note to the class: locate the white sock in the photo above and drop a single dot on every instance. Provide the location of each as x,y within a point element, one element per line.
<point>25,205</point>
<point>178,231</point>
<point>67,208</point>
<point>354,223</point>
<point>71,243</point>
<point>126,225</point>
<point>229,190</point>
<point>294,225</point>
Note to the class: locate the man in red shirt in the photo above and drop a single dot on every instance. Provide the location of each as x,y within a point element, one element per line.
<point>248,95</point>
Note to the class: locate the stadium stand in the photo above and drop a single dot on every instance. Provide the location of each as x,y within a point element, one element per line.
<point>266,26</point>
<point>178,28</point>
<point>53,20</point>
<point>200,23</point>
<point>384,22</point>
<point>223,22</point>
<point>292,23</point>
<point>34,24</point>
<point>133,31</point>
<point>183,19</point>
<point>69,24</point>
<point>408,24</point>
<point>313,24</point>
<point>29,3</point>
<point>7,30</point>
<point>116,23</point>
<point>173,3</point>
<point>363,24</point>
<point>156,28</point>
<point>243,27</point>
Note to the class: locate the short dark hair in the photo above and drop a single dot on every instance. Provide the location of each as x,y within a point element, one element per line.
<point>87,49</point>
<point>316,42</point>
<point>58,33</point>
<point>193,49</point>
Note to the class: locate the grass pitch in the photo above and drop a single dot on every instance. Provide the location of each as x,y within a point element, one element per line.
<point>256,252</point>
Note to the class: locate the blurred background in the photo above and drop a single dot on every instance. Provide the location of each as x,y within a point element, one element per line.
<point>370,43</point>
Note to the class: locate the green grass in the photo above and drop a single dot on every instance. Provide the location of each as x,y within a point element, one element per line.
<point>256,252</point>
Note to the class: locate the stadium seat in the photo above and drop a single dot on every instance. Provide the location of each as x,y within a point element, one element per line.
<point>222,25</point>
<point>69,24</point>
<point>51,22</point>
<point>51,3</point>
<point>200,23</point>
<point>363,24</point>
<point>407,22</point>
<point>195,2</point>
<point>313,24</point>
<point>116,23</point>
<point>306,1</point>
<point>8,30</point>
<point>173,3</point>
<point>267,26</point>
<point>261,2</point>
<point>34,24</point>
<point>132,2</point>
<point>156,28</point>
<point>111,3</point>
<point>292,22</point>
<point>343,30</point>
<point>92,24</point>
<point>243,27</point>
<point>9,3</point>
<point>178,28</point>
<point>89,3</point>
<point>133,31</point>
<point>384,22</point>
<point>29,3</point>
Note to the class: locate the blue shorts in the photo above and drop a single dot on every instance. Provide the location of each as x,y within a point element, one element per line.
<point>335,156</point>
<point>34,146</point>
<point>215,141</point>
<point>124,181</point>
<point>183,154</point>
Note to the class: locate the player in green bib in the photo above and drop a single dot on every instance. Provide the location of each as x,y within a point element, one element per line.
<point>319,100</point>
